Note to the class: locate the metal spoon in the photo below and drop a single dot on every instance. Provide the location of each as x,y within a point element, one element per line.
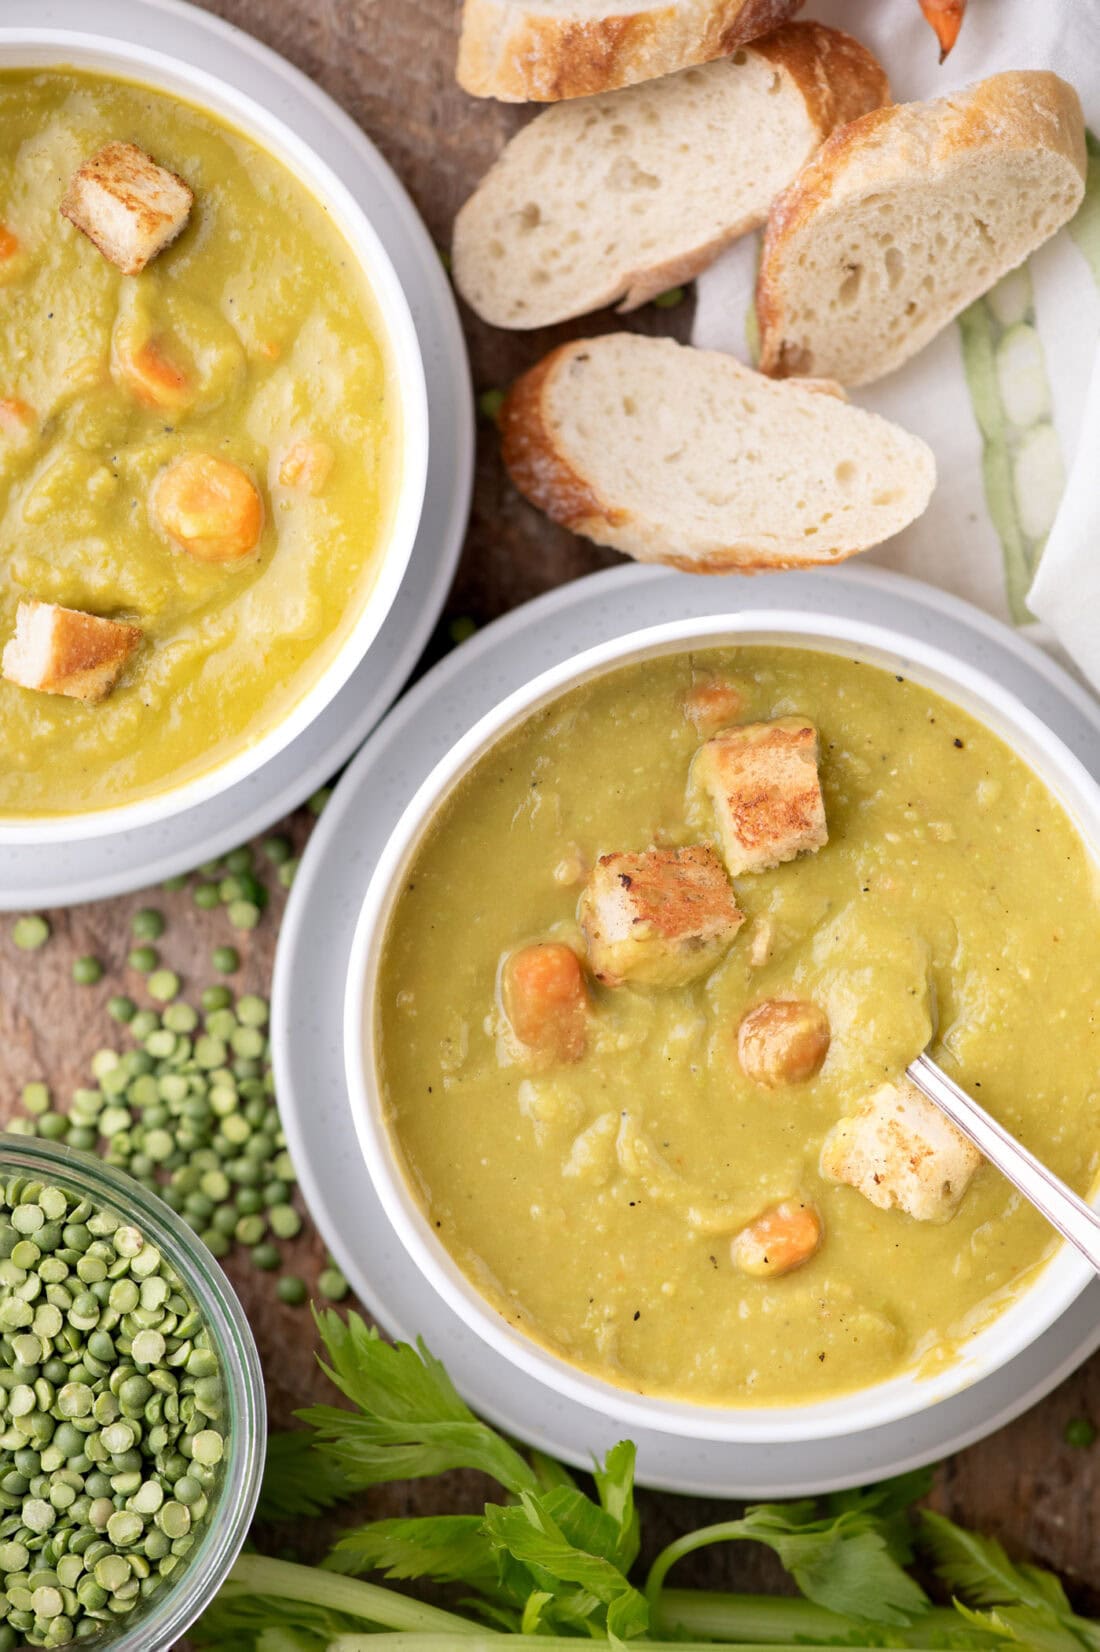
<point>1073,1218</point>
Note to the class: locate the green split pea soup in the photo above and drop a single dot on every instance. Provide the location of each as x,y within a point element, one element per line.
<point>254,340</point>
<point>592,1200</point>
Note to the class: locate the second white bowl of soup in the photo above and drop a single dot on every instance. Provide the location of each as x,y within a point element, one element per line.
<point>622,1027</point>
<point>223,454</point>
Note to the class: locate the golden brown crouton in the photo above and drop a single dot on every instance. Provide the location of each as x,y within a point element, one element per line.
<point>64,651</point>
<point>658,918</point>
<point>127,205</point>
<point>898,1149</point>
<point>762,783</point>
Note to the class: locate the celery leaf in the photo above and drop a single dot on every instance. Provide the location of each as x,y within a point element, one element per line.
<point>452,1548</point>
<point>298,1479</point>
<point>410,1420</point>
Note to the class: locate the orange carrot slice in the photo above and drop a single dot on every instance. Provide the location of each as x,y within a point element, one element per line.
<point>209,507</point>
<point>546,1000</point>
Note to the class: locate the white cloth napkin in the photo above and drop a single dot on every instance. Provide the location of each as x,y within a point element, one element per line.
<point>1003,395</point>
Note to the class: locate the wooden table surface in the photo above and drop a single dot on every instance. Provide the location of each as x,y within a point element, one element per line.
<point>390,64</point>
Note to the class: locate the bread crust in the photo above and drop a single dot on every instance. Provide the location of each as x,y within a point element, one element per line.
<point>642,286</point>
<point>542,473</point>
<point>523,56</point>
<point>835,77</point>
<point>764,789</point>
<point>1020,109</point>
<point>533,461</point>
<point>747,559</point>
<point>839,78</point>
<point>86,653</point>
<point>90,651</point>
<point>658,916</point>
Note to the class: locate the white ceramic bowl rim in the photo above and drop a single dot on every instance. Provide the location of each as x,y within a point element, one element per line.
<point>1056,1285</point>
<point>55,48</point>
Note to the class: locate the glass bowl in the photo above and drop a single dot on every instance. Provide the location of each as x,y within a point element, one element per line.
<point>157,1626</point>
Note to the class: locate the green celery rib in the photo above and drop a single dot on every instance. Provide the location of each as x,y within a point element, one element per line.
<point>491,1642</point>
<point>774,1619</point>
<point>284,1579</point>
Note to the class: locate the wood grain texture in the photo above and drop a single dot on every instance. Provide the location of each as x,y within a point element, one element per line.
<point>390,65</point>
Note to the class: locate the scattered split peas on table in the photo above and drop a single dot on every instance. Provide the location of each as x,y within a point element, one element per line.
<point>190,1109</point>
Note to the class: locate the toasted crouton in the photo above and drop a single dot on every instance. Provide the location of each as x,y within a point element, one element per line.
<point>658,918</point>
<point>762,783</point>
<point>127,205</point>
<point>899,1150</point>
<point>64,651</point>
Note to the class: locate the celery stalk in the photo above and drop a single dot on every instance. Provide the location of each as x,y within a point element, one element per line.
<point>283,1579</point>
<point>774,1619</point>
<point>490,1641</point>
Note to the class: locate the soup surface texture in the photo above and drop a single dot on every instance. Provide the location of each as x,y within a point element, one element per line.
<point>593,1202</point>
<point>257,340</point>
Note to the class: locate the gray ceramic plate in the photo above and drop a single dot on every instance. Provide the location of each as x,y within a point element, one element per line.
<point>309,987</point>
<point>60,874</point>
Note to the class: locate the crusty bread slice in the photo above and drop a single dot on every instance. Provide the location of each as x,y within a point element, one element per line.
<point>688,457</point>
<point>66,651</point>
<point>543,50</point>
<point>625,195</point>
<point>906,216</point>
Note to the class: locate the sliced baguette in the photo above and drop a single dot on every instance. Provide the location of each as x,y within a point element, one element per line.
<point>626,195</point>
<point>687,457</point>
<point>906,216</point>
<point>544,50</point>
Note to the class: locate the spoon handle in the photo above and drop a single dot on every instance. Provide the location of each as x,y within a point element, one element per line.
<point>1073,1218</point>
